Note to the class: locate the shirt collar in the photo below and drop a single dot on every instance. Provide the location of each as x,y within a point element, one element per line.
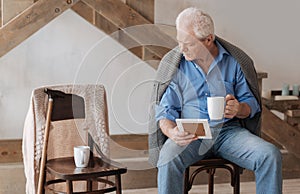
<point>220,56</point>
<point>222,51</point>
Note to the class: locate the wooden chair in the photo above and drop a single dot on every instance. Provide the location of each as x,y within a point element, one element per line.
<point>63,107</point>
<point>210,165</point>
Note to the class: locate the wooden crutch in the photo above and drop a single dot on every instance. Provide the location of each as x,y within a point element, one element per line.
<point>45,145</point>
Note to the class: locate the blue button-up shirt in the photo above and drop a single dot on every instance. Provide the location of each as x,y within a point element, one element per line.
<point>186,96</point>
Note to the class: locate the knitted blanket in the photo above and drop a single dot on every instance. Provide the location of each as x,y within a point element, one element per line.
<point>95,123</point>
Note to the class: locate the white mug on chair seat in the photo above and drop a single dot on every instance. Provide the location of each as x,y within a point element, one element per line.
<point>81,156</point>
<point>215,107</point>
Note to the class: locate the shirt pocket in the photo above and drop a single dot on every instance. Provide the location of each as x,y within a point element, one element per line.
<point>229,86</point>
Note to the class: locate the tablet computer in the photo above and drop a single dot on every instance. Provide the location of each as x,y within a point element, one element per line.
<point>199,127</point>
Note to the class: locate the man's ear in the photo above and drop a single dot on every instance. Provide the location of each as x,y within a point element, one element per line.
<point>209,39</point>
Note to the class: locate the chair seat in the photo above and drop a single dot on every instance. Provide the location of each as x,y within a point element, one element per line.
<point>64,170</point>
<point>212,162</point>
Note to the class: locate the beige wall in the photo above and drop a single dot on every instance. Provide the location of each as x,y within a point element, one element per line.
<point>267,30</point>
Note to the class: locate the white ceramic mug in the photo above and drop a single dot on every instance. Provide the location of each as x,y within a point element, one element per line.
<point>81,156</point>
<point>215,107</point>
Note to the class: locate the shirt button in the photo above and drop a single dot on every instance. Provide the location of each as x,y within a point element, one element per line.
<point>205,94</point>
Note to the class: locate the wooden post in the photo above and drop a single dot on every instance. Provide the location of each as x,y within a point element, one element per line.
<point>10,151</point>
<point>30,21</point>
<point>42,174</point>
<point>1,18</point>
<point>260,76</point>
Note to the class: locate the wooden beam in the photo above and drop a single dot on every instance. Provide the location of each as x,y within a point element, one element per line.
<point>293,113</point>
<point>132,141</point>
<point>144,7</point>
<point>150,35</point>
<point>281,132</point>
<point>30,21</point>
<point>135,30</point>
<point>88,13</point>
<point>137,51</point>
<point>153,54</point>
<point>10,151</point>
<point>281,105</point>
<point>157,52</point>
<point>155,42</point>
<point>117,12</point>
<point>262,75</point>
<point>12,8</point>
<point>105,25</point>
<point>84,11</point>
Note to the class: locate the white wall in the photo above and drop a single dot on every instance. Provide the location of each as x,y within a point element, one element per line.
<point>70,50</point>
<point>267,30</point>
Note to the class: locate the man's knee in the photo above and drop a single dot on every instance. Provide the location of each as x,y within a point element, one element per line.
<point>170,153</point>
<point>169,160</point>
<point>273,153</point>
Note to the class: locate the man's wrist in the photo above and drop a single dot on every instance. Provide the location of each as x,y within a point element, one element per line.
<point>244,110</point>
<point>166,126</point>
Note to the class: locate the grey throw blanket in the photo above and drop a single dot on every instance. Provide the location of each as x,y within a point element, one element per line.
<point>165,72</point>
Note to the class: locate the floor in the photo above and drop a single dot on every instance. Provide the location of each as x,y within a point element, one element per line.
<point>12,181</point>
<point>290,186</point>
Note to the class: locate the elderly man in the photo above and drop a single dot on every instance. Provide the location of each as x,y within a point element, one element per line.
<point>205,68</point>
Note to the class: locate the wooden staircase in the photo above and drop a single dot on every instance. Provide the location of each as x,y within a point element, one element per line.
<point>33,18</point>
<point>282,134</point>
<point>134,31</point>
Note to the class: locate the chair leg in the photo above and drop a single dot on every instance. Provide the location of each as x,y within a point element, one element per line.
<point>69,188</point>
<point>236,180</point>
<point>44,189</point>
<point>118,184</point>
<point>186,186</point>
<point>89,185</point>
<point>211,173</point>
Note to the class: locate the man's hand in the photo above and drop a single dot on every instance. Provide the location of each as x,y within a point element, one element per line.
<point>234,108</point>
<point>170,129</point>
<point>181,138</point>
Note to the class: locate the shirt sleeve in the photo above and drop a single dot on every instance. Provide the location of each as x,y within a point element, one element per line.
<point>244,94</point>
<point>170,104</point>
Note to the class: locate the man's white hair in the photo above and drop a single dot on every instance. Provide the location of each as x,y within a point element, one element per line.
<point>201,22</point>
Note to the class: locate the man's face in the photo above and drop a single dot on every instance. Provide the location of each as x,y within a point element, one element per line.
<point>191,47</point>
